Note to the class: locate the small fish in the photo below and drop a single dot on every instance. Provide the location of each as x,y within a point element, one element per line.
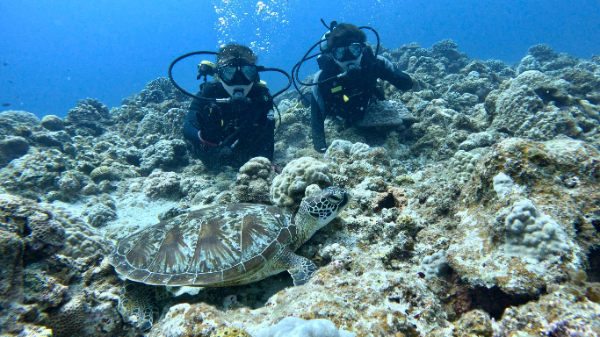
<point>16,96</point>
<point>5,104</point>
<point>5,63</point>
<point>9,81</point>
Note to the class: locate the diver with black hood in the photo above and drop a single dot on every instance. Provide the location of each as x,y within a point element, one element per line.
<point>231,119</point>
<point>347,81</point>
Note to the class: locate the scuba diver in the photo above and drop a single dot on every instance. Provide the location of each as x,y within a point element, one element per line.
<point>231,119</point>
<point>347,81</point>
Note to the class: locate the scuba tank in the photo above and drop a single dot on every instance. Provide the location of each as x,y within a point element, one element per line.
<point>323,44</point>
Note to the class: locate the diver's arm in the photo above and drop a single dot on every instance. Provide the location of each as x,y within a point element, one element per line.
<point>268,141</point>
<point>387,71</point>
<point>318,126</point>
<point>191,126</point>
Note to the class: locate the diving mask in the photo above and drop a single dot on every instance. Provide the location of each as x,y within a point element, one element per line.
<point>346,53</point>
<point>238,72</point>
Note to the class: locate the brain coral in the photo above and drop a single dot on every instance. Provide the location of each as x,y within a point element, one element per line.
<point>288,188</point>
<point>463,164</point>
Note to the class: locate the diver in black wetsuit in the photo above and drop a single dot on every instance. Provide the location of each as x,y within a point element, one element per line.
<point>349,95</point>
<point>230,133</point>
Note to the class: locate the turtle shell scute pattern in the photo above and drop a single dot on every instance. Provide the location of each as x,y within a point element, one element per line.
<point>210,246</point>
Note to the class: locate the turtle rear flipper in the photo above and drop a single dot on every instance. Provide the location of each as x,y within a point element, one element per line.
<point>301,268</point>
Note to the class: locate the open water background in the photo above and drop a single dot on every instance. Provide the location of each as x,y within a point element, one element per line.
<point>54,52</point>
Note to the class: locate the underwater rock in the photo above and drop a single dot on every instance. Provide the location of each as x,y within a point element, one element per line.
<point>475,323</point>
<point>510,243</point>
<point>475,140</point>
<point>386,114</point>
<point>45,225</point>
<point>11,278</point>
<point>11,148</point>
<point>529,106</point>
<point>18,123</point>
<point>45,243</point>
<point>50,139</point>
<point>35,173</point>
<point>71,182</point>
<point>102,173</point>
<point>52,123</point>
<point>564,311</point>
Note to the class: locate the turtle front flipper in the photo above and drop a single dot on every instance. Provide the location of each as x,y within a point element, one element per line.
<point>139,305</point>
<point>301,268</point>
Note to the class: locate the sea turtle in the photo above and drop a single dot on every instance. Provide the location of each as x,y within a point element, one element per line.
<point>228,245</point>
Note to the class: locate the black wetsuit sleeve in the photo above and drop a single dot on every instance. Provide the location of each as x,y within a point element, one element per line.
<point>317,121</point>
<point>192,124</point>
<point>268,145</point>
<point>388,72</point>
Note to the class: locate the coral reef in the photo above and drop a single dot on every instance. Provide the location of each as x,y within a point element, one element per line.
<point>52,123</point>
<point>474,209</point>
<point>12,148</point>
<point>87,118</point>
<point>254,180</point>
<point>435,265</point>
<point>534,235</point>
<point>297,327</point>
<point>18,123</point>
<point>288,188</point>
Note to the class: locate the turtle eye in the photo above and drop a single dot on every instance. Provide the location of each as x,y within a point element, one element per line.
<point>335,198</point>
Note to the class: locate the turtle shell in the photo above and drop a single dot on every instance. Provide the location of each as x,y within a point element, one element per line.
<point>210,246</point>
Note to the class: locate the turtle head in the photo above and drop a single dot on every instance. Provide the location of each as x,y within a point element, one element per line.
<point>319,209</point>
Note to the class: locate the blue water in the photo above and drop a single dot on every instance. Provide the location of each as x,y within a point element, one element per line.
<point>59,51</point>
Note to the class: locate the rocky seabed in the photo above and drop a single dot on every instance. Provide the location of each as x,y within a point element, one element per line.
<point>480,216</point>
